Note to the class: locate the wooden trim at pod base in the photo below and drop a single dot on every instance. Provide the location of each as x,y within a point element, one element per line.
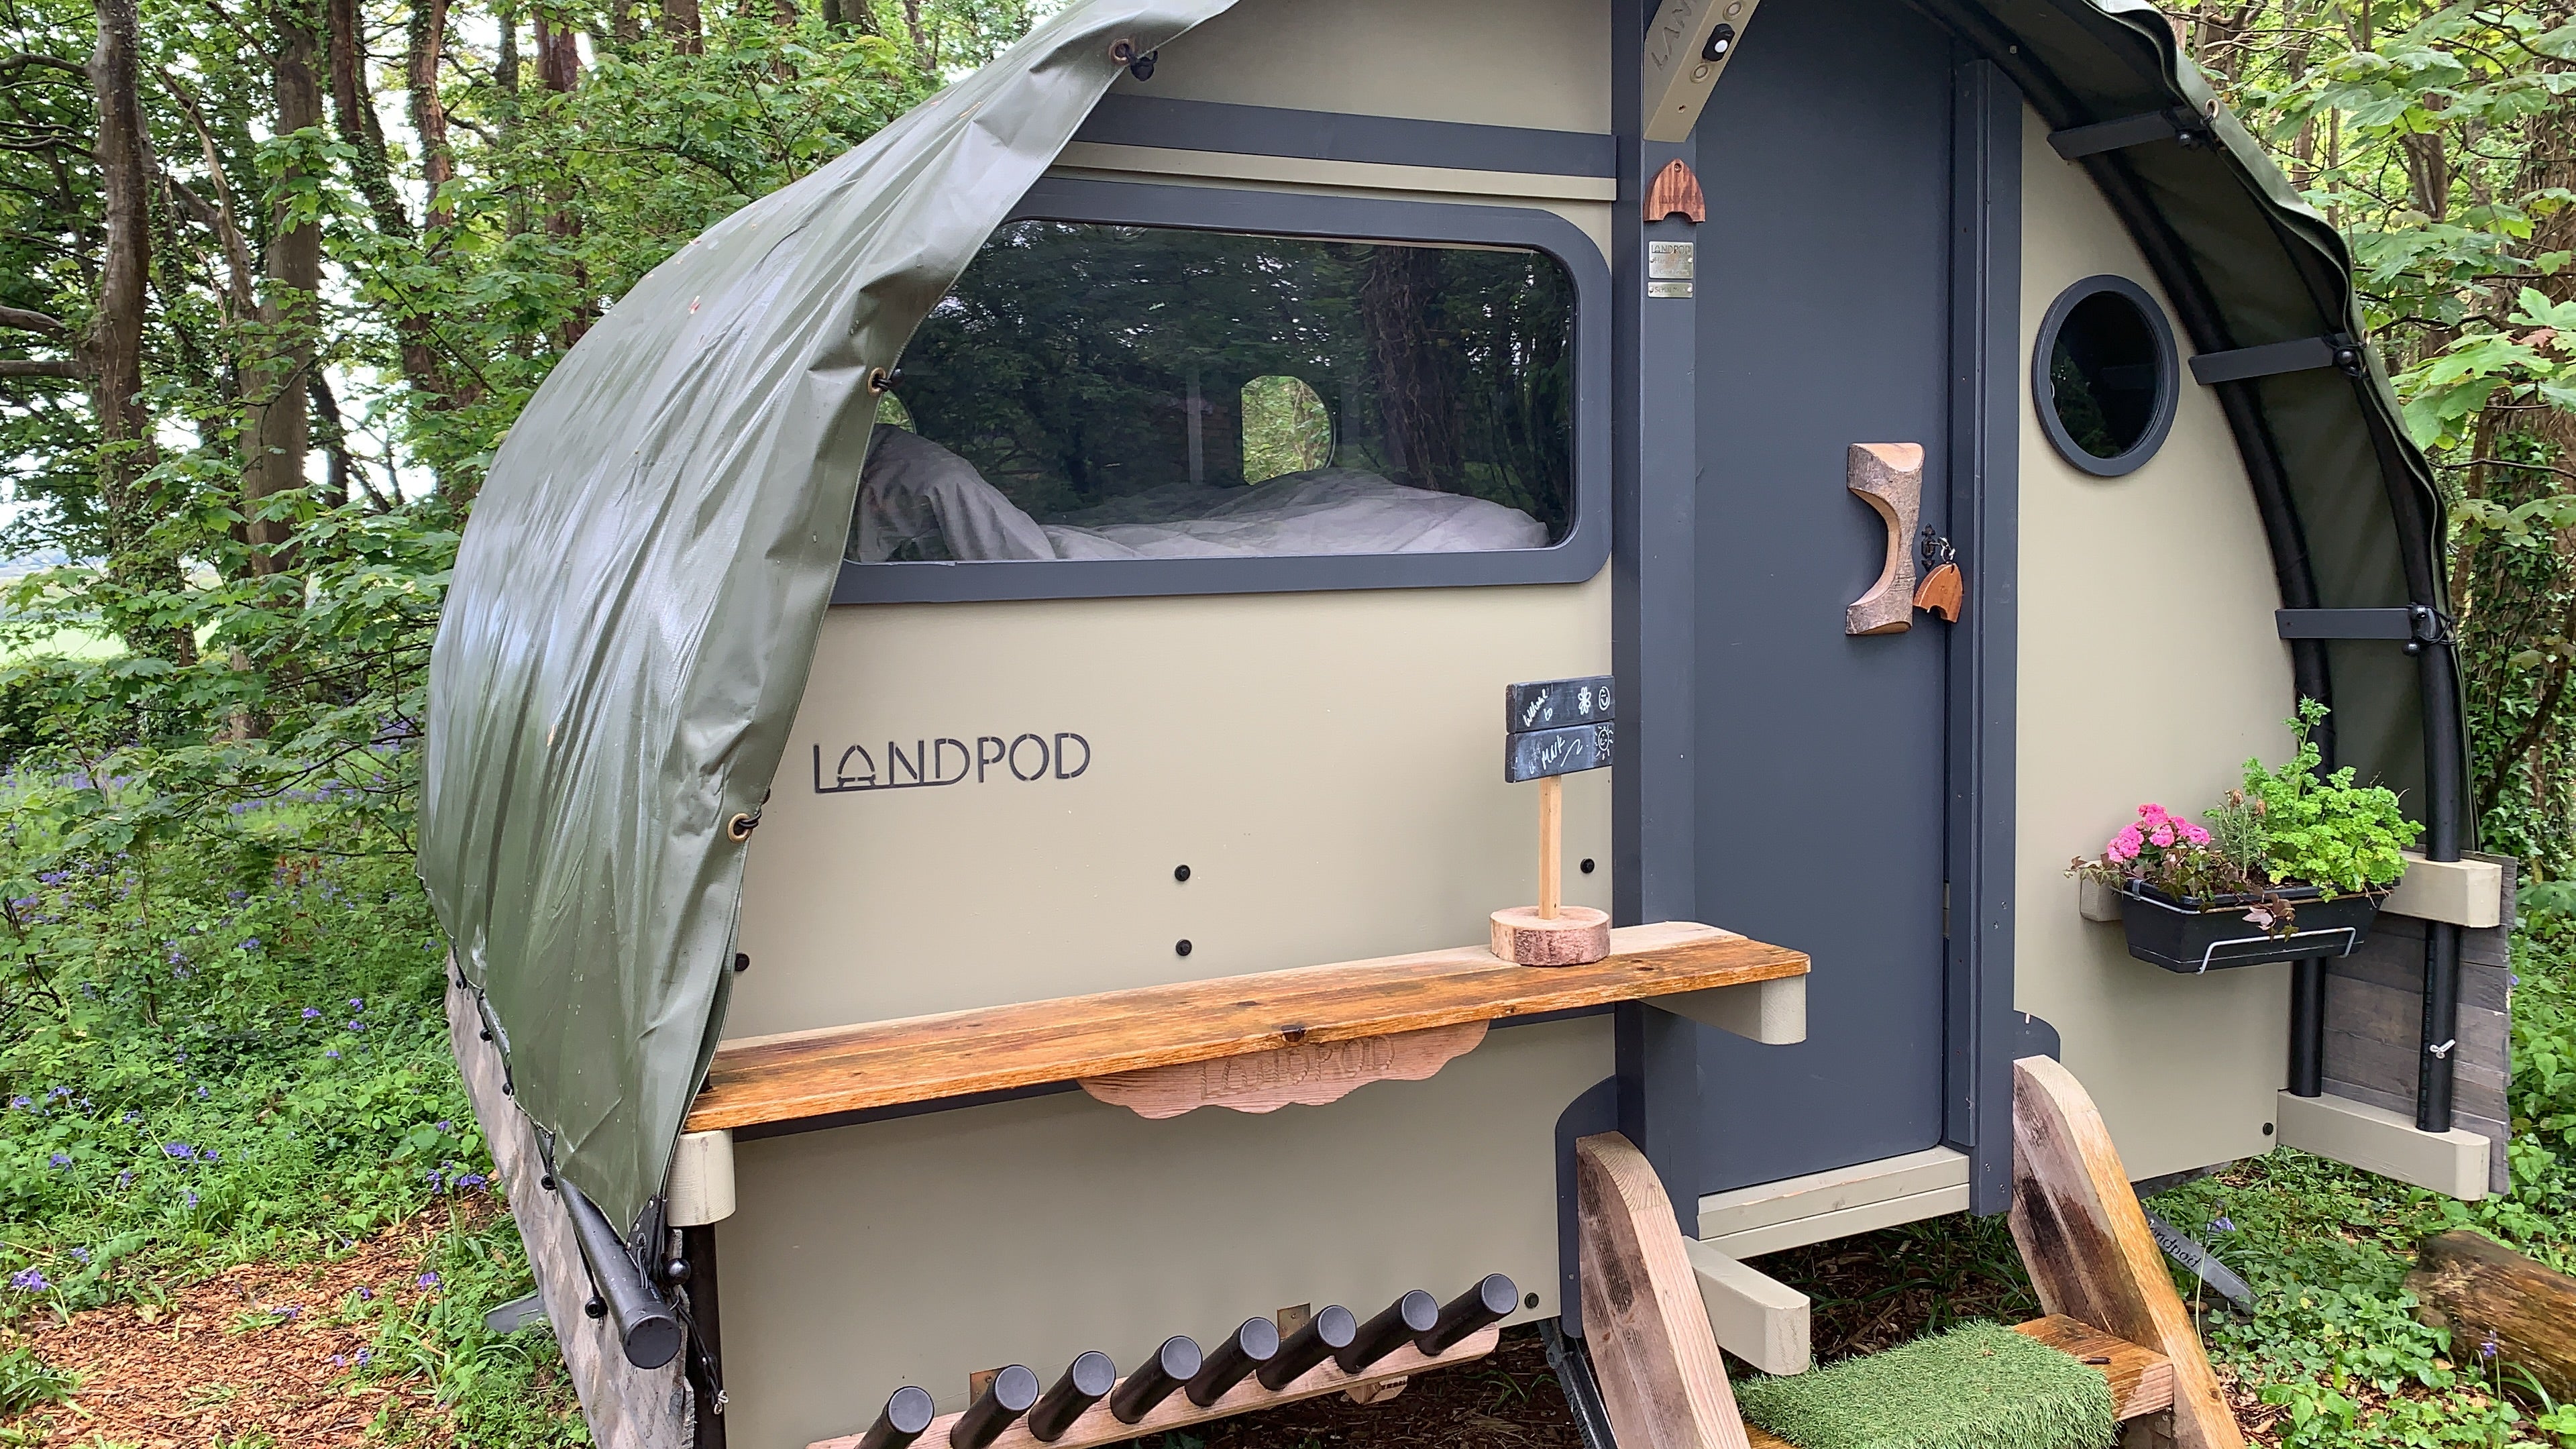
<point>1662,1380</point>
<point>1096,1425</point>
<point>929,1058</point>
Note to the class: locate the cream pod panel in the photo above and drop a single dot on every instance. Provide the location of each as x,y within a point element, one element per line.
<point>2112,715</point>
<point>920,1249</point>
<point>990,803</point>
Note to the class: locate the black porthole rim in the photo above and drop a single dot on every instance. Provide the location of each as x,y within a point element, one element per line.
<point>2043,393</point>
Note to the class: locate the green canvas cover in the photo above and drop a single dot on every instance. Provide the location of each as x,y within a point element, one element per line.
<point>637,598</point>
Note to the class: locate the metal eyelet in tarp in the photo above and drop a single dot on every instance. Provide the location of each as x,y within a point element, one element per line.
<point>636,600</point>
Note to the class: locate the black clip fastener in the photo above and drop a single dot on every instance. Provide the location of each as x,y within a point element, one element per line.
<point>2300,354</point>
<point>2415,625</point>
<point>2179,124</point>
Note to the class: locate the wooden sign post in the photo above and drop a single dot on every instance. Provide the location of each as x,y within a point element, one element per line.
<point>1553,728</point>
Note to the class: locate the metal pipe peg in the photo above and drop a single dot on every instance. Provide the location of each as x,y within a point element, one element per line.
<point>1005,1399</point>
<point>1488,1302</point>
<point>1404,1319</point>
<point>1325,1333</point>
<point>1173,1365</point>
<point>908,1412</point>
<point>1245,1349</point>
<point>1086,1380</point>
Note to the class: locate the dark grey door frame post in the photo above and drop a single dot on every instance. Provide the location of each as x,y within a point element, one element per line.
<point>1981,1033</point>
<point>1654,490</point>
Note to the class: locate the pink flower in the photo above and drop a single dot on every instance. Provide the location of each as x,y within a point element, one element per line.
<point>2125,845</point>
<point>2163,833</point>
<point>2151,813</point>
<point>2192,833</point>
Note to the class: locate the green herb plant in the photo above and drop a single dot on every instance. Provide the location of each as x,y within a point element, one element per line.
<point>2329,833</point>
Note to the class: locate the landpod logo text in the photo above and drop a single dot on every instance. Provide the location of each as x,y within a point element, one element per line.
<point>946,761</point>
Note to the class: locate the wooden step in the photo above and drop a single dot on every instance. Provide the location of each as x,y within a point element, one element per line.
<point>814,1074</point>
<point>2142,1380</point>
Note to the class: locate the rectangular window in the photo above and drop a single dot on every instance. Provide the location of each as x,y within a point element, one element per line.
<point>1100,391</point>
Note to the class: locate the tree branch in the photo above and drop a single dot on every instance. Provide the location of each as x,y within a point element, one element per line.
<point>40,367</point>
<point>26,321</point>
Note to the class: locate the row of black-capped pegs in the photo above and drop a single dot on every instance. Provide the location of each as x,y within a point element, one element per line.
<point>1253,1350</point>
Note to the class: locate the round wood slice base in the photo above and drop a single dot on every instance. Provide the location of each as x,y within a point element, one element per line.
<point>1578,936</point>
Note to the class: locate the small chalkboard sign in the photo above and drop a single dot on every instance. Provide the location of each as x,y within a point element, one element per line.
<point>1556,727</point>
<point>1553,727</point>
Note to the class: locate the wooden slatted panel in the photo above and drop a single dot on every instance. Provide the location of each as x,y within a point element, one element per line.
<point>925,1058</point>
<point>2141,1379</point>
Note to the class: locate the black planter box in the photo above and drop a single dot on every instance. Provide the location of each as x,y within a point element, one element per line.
<point>2193,934</point>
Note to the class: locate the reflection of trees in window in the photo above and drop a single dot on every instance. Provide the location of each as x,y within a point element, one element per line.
<point>1286,428</point>
<point>1062,366</point>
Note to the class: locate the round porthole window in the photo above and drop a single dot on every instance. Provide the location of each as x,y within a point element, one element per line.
<point>2104,375</point>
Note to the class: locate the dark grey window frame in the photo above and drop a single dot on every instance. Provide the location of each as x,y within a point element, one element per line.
<point>1572,559</point>
<point>2043,392</point>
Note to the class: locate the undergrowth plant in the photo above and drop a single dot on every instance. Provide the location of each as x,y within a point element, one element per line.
<point>2331,832</point>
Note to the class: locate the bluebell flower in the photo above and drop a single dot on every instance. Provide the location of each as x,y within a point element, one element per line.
<point>311,1012</point>
<point>357,1004</point>
<point>201,1093</point>
<point>333,1054</point>
<point>22,1101</point>
<point>366,1294</point>
<point>210,1155</point>
<point>125,1179</point>
<point>339,1360</point>
<point>250,943</point>
<point>28,1280</point>
<point>61,1159</point>
<point>192,1198</point>
<point>2487,1350</point>
<point>2222,1224</point>
<point>472,1180</point>
<point>81,1256</point>
<point>446,1125</point>
<point>58,1093</point>
<point>363,1356</point>
<point>132,1117</point>
<point>291,1310</point>
<point>428,1280</point>
<point>180,1150</point>
<point>356,1025</point>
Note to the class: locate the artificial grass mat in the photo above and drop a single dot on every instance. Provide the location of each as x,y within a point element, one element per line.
<point>1978,1386</point>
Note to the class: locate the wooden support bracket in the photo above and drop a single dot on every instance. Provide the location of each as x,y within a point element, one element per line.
<point>1097,1425</point>
<point>1661,1378</point>
<point>1889,478</point>
<point>2085,1240</point>
<point>1309,1074</point>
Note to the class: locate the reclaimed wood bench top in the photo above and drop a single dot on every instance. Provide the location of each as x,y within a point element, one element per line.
<point>809,1074</point>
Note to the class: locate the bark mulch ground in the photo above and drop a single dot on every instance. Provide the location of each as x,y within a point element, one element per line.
<point>251,1353</point>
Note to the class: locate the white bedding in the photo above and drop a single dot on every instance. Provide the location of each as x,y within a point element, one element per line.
<point>914,489</point>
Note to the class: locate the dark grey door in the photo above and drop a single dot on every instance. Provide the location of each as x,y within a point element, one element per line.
<point>1823,321</point>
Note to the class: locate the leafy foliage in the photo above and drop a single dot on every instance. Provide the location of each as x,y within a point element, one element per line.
<point>2331,832</point>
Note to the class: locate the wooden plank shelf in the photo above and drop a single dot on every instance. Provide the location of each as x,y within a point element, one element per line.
<point>812,1074</point>
<point>2142,1380</point>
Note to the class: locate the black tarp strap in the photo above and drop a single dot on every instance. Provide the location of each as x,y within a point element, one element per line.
<point>2410,623</point>
<point>2174,123</point>
<point>2300,354</point>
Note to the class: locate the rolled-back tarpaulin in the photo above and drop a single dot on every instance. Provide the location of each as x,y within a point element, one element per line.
<point>637,597</point>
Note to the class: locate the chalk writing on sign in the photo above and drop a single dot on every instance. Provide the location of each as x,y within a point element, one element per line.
<point>932,763</point>
<point>1534,754</point>
<point>1549,703</point>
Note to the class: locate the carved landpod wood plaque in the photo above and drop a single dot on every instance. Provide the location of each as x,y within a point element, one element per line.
<point>1308,1074</point>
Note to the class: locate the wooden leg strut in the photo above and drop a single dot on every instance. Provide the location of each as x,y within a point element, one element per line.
<point>2085,1240</point>
<point>1652,1349</point>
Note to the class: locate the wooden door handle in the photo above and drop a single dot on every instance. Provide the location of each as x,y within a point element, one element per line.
<point>1889,478</point>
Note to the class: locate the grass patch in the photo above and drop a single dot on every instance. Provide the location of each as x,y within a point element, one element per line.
<point>1976,1386</point>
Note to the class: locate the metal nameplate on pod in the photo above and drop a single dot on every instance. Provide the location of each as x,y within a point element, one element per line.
<point>1548,703</point>
<point>1537,754</point>
<point>1670,266</point>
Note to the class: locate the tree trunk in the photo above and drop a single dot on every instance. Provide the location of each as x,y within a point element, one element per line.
<point>428,110</point>
<point>277,428</point>
<point>1418,414</point>
<point>2504,1310</point>
<point>112,349</point>
<point>681,26</point>
<point>559,70</point>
